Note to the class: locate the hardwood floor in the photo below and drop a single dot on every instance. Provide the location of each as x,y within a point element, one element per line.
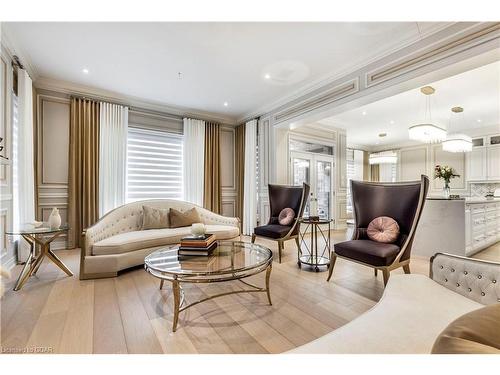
<point>129,314</point>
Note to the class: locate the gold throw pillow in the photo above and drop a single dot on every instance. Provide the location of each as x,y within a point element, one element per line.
<point>183,219</point>
<point>477,332</point>
<point>154,218</point>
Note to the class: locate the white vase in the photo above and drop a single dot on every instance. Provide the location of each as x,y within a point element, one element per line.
<point>54,219</point>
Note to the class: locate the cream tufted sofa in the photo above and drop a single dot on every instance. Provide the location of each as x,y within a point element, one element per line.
<point>116,241</point>
<point>415,309</point>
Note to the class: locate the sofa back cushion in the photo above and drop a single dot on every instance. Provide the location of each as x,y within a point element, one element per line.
<point>154,218</point>
<point>183,219</point>
<point>477,332</point>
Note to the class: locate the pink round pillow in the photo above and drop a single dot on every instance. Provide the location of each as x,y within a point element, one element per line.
<point>286,216</point>
<point>383,229</point>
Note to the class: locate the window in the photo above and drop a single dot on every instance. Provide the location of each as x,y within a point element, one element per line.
<point>154,165</point>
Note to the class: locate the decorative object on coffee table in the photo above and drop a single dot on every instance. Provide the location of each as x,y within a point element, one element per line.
<point>446,173</point>
<point>231,261</point>
<point>197,245</point>
<point>42,236</point>
<point>198,230</point>
<point>310,257</point>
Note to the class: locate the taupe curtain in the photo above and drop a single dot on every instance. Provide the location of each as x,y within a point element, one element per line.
<point>240,169</point>
<point>83,179</point>
<point>375,173</point>
<point>212,199</point>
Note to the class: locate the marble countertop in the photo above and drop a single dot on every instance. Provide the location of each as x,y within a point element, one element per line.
<point>468,200</point>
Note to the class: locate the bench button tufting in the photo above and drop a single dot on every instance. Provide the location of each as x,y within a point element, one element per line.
<point>494,281</point>
<point>482,293</point>
<point>479,276</point>
<point>465,272</point>
<point>441,267</point>
<point>445,280</point>
<point>458,284</point>
<point>470,290</point>
<point>452,270</point>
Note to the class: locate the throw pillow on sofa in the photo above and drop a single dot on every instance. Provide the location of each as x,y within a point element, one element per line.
<point>477,332</point>
<point>183,219</point>
<point>383,229</point>
<point>154,218</point>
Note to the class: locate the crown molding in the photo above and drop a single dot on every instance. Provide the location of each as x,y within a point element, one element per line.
<point>10,45</point>
<point>331,77</point>
<point>431,37</point>
<point>71,88</point>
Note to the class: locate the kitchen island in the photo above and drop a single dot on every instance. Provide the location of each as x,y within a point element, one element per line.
<point>462,226</point>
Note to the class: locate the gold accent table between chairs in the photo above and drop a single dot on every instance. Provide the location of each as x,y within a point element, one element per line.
<point>230,261</point>
<point>42,236</point>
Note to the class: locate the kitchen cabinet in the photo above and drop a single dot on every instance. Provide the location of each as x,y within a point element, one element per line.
<point>483,162</point>
<point>482,225</point>
<point>493,170</point>
<point>477,164</point>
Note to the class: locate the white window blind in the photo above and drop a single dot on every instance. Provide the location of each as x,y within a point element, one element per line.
<point>154,164</point>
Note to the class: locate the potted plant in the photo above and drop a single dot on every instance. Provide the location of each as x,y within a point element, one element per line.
<point>445,173</point>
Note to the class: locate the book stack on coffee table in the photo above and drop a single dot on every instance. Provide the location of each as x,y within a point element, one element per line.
<point>197,246</point>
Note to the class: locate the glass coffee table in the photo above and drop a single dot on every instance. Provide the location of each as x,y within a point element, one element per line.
<point>230,261</point>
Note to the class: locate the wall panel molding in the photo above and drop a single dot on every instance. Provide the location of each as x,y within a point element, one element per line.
<point>310,103</point>
<point>431,54</point>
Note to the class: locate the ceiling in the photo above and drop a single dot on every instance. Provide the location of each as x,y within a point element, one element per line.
<point>219,62</point>
<point>477,91</point>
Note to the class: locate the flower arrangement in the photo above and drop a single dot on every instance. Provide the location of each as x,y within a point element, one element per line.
<point>446,173</point>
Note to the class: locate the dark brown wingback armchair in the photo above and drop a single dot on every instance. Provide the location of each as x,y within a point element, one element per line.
<point>402,201</point>
<point>280,197</point>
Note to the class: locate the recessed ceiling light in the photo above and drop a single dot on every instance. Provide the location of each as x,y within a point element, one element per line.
<point>85,71</point>
<point>267,76</point>
<point>391,122</point>
<point>478,120</point>
<point>363,113</point>
<point>226,104</point>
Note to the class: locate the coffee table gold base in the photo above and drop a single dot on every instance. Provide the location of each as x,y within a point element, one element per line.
<point>34,261</point>
<point>179,299</point>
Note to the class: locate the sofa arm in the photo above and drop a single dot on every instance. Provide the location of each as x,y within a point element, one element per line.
<point>209,217</point>
<point>476,279</point>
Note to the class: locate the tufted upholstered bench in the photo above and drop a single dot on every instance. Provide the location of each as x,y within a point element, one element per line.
<point>415,309</point>
<point>116,241</point>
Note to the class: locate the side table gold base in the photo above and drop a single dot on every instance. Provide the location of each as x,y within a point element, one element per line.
<point>33,262</point>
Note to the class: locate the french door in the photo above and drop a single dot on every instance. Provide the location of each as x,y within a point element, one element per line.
<point>317,171</point>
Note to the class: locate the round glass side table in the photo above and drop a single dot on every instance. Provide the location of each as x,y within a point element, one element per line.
<point>308,254</point>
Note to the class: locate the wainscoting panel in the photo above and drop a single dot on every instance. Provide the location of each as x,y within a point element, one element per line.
<point>228,173</point>
<point>412,166</point>
<point>52,151</point>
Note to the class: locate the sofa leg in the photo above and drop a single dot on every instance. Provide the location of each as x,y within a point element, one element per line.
<point>386,274</point>
<point>376,272</point>
<point>253,238</point>
<point>333,258</point>
<point>406,268</point>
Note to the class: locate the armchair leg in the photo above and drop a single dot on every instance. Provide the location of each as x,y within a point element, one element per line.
<point>376,272</point>
<point>406,268</point>
<point>386,274</point>
<point>280,248</point>
<point>253,238</point>
<point>333,258</point>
